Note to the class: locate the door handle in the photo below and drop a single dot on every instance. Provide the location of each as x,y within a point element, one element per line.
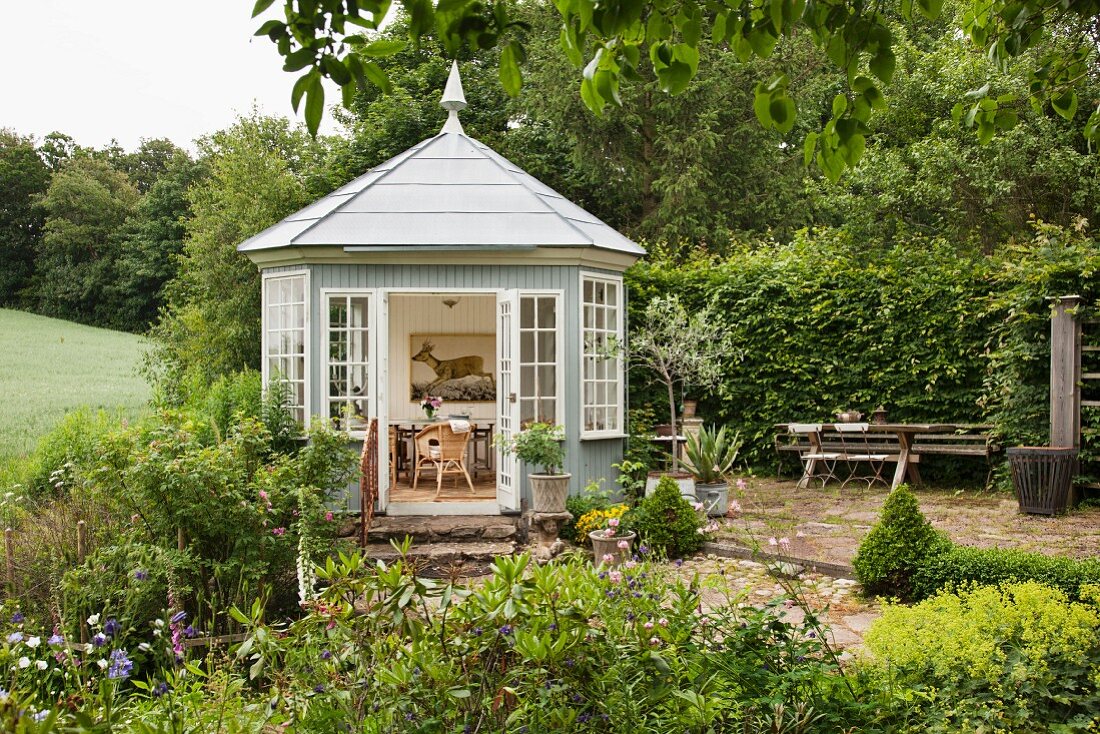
<point>511,397</point>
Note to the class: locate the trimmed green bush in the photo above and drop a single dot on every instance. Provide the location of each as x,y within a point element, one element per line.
<point>667,523</point>
<point>1018,659</point>
<point>895,549</point>
<point>959,565</point>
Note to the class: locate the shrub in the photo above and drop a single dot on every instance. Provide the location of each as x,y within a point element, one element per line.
<point>1018,659</point>
<point>74,441</point>
<point>667,522</point>
<point>959,565</point>
<point>892,552</point>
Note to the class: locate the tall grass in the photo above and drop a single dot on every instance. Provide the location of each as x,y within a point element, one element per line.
<point>50,367</point>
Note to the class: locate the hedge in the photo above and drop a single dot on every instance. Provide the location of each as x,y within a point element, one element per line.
<point>962,564</point>
<point>931,332</point>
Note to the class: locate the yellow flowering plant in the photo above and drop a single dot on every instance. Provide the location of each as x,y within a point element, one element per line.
<point>601,520</point>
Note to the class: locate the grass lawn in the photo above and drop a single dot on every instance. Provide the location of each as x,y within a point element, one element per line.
<point>49,367</point>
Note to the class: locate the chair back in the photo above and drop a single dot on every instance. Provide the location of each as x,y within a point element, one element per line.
<point>804,427</point>
<point>438,441</point>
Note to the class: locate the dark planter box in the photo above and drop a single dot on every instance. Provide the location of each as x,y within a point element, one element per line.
<point>1042,477</point>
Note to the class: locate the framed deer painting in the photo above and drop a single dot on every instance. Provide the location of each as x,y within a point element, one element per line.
<point>455,367</point>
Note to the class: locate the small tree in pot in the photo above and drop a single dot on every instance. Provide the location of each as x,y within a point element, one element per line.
<point>682,349</point>
<point>540,445</point>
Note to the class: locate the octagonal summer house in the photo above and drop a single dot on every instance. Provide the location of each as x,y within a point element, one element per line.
<point>448,271</point>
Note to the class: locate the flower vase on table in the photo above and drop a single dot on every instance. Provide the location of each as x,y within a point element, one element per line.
<point>431,405</point>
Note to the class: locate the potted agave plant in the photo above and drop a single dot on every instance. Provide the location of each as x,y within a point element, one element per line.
<point>540,445</point>
<point>710,456</point>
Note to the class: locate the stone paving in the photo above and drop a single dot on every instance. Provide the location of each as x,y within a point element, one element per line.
<point>837,600</point>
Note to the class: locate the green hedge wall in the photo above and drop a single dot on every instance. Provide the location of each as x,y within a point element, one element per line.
<point>822,324</point>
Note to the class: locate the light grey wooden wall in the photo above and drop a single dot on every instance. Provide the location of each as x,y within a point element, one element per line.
<point>588,460</point>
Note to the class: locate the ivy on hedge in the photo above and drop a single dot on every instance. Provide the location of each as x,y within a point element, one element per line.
<point>825,324</point>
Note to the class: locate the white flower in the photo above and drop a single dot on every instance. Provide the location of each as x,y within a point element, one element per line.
<point>88,647</point>
<point>102,664</point>
<point>24,662</point>
<point>144,647</point>
<point>41,665</point>
<point>93,620</point>
<point>34,642</point>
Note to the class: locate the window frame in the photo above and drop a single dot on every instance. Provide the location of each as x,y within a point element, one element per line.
<point>373,301</point>
<point>559,349</point>
<point>620,376</point>
<point>265,365</point>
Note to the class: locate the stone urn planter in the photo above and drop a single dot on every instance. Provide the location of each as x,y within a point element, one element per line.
<point>685,480</point>
<point>608,545</point>
<point>549,491</point>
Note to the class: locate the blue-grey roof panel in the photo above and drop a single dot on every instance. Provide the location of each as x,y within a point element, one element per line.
<point>447,191</point>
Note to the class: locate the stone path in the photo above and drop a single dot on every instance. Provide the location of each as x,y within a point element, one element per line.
<point>838,601</point>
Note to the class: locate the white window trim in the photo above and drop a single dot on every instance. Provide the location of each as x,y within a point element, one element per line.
<point>372,295</point>
<point>620,432</point>
<point>559,348</point>
<point>265,370</point>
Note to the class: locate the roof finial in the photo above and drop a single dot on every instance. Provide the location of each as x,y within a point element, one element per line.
<point>453,100</point>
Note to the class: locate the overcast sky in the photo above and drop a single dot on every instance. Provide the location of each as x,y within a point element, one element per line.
<point>129,69</point>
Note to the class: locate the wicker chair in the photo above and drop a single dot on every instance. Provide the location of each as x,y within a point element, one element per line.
<point>440,447</point>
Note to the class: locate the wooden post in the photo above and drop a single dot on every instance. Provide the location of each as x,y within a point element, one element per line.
<point>81,551</point>
<point>9,558</point>
<point>1065,374</point>
<point>181,539</point>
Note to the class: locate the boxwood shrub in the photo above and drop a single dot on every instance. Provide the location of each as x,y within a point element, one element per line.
<point>957,565</point>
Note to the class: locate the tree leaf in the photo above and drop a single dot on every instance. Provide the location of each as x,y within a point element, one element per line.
<point>261,6</point>
<point>315,104</point>
<point>510,77</point>
<point>808,148</point>
<point>883,64</point>
<point>1065,104</point>
<point>300,88</point>
<point>383,47</point>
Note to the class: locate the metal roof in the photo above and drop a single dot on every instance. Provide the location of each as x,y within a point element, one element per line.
<point>449,191</point>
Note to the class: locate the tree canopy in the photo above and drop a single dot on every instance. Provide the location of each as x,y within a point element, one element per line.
<point>618,43</point>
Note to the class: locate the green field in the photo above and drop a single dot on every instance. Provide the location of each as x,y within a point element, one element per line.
<point>49,367</point>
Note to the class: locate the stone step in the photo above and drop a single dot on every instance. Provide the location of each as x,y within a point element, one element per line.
<point>442,529</point>
<point>443,559</point>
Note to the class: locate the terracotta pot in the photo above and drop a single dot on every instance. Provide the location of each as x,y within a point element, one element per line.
<point>602,546</point>
<point>689,408</point>
<point>549,491</point>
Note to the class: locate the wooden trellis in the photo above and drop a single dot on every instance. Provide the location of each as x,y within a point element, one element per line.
<point>1074,370</point>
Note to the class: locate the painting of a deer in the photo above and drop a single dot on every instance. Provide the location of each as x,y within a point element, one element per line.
<point>451,369</point>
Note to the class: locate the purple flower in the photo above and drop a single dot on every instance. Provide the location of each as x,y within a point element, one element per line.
<point>178,617</point>
<point>120,665</point>
<point>319,688</point>
<point>188,631</point>
<point>99,640</point>
<point>476,631</point>
<point>17,618</point>
<point>15,637</point>
<point>325,654</point>
<point>41,715</point>
<point>160,689</point>
<point>679,562</point>
<point>141,575</point>
<point>506,629</point>
<point>112,627</point>
<point>56,640</point>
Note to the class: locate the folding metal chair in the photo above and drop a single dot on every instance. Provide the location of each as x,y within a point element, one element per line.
<point>814,458</point>
<point>856,448</point>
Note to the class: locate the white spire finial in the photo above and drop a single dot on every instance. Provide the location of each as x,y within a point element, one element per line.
<point>453,100</point>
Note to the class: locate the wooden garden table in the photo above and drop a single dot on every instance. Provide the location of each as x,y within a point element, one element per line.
<point>908,460</point>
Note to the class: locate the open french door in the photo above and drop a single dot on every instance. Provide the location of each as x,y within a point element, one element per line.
<point>382,400</point>
<point>508,418</point>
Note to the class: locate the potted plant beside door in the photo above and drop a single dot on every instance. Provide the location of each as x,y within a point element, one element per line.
<point>541,445</point>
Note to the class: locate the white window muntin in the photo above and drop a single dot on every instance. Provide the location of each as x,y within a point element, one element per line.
<point>540,356</point>
<point>286,337</point>
<point>348,347</point>
<point>602,370</point>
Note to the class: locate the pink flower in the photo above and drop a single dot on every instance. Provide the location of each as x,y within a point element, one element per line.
<point>741,484</point>
<point>648,625</point>
<point>623,544</point>
<point>279,531</point>
<point>800,534</point>
<point>698,506</point>
<point>663,622</point>
<point>735,506</point>
<point>703,621</point>
<point>654,641</point>
<point>785,542</point>
<point>773,541</point>
<point>613,522</point>
<point>328,516</point>
<point>608,558</point>
<point>615,576</point>
<point>263,495</point>
<point>630,564</point>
